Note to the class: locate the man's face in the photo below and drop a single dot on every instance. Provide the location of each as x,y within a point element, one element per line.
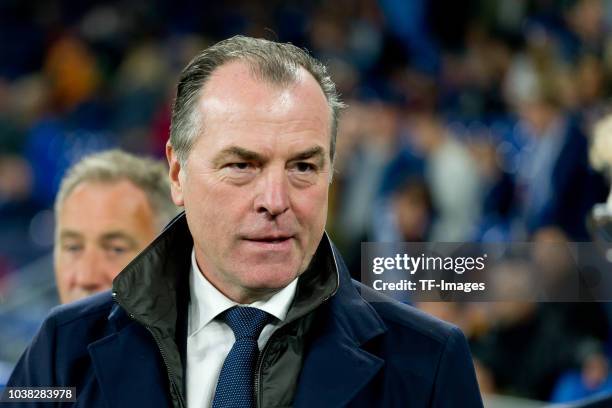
<point>255,184</point>
<point>101,228</point>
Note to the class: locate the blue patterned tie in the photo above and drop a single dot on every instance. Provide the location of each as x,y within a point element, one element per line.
<point>235,386</point>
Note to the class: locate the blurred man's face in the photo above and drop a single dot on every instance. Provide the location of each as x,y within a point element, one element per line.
<point>255,184</point>
<point>538,115</point>
<point>101,227</point>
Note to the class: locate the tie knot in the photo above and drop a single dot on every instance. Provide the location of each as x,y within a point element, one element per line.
<point>246,322</point>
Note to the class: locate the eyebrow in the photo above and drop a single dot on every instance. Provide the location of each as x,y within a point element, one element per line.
<point>316,152</point>
<point>69,234</point>
<point>112,235</point>
<point>108,236</point>
<point>240,152</point>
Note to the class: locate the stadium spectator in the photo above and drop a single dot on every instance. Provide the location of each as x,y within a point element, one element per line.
<point>109,207</point>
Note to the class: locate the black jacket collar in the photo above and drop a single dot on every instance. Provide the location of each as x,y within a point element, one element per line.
<point>153,290</point>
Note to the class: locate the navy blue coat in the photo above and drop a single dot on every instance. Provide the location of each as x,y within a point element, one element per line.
<point>365,354</point>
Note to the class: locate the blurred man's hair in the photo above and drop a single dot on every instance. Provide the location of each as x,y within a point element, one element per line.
<point>275,63</point>
<point>113,166</point>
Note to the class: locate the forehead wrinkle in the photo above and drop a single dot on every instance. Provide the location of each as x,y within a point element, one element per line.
<point>232,121</point>
<point>228,104</point>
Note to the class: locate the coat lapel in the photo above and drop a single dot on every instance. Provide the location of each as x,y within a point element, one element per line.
<point>335,366</point>
<point>129,369</point>
<point>333,374</point>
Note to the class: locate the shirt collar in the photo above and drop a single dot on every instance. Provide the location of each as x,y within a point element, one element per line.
<point>207,302</point>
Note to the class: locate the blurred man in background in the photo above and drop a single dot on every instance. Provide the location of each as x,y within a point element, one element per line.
<point>109,207</point>
<point>595,379</point>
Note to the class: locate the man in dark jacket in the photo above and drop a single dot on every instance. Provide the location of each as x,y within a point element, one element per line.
<point>243,301</point>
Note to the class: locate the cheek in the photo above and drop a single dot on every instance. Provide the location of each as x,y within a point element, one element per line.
<point>215,209</point>
<point>311,209</point>
<point>63,272</point>
<point>114,266</point>
<point>112,272</point>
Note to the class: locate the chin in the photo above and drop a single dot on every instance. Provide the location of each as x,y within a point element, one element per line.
<point>270,277</point>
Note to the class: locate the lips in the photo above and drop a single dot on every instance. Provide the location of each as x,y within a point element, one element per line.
<point>272,239</point>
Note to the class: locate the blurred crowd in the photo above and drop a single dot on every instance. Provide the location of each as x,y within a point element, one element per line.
<point>467,120</point>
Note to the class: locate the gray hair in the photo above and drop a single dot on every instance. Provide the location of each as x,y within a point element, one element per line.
<point>276,63</point>
<point>115,165</point>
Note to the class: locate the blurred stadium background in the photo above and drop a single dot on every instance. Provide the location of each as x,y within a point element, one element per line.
<point>468,120</point>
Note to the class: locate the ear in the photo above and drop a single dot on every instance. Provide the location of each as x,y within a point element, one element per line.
<point>175,173</point>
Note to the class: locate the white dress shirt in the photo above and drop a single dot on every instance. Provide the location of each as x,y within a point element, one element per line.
<point>209,340</point>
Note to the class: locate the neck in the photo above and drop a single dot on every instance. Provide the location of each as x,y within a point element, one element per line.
<point>242,296</point>
<point>233,291</point>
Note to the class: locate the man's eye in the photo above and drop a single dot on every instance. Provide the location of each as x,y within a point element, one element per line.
<point>116,250</point>
<point>73,248</point>
<point>240,166</point>
<point>305,167</point>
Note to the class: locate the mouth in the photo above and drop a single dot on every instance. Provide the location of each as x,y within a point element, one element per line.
<point>271,241</point>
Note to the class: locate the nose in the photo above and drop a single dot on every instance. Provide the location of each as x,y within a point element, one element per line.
<point>273,193</point>
<point>91,274</point>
